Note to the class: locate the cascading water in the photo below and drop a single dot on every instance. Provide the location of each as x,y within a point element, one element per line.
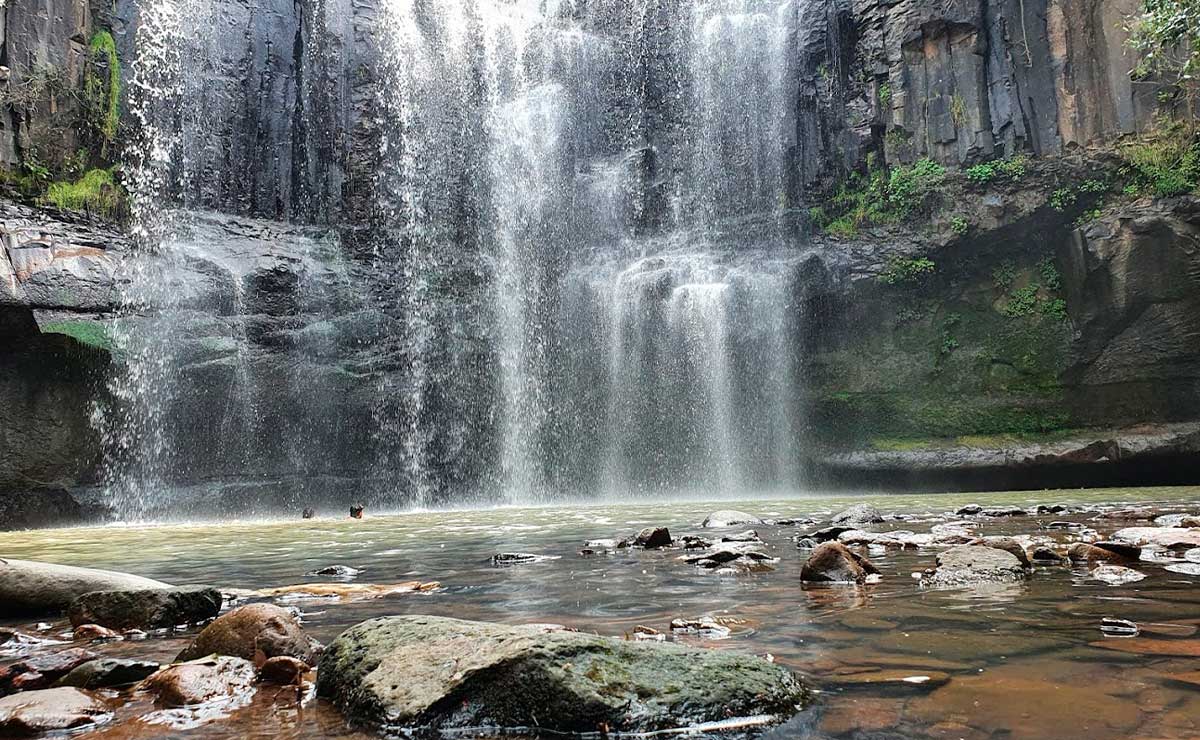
<point>577,271</point>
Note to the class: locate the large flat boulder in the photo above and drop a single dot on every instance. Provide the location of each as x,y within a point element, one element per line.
<point>439,673</point>
<point>30,588</point>
<point>145,608</point>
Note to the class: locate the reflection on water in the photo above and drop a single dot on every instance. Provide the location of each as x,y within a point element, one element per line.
<point>1013,660</point>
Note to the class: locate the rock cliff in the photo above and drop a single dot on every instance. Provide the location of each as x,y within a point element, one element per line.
<point>1021,314</point>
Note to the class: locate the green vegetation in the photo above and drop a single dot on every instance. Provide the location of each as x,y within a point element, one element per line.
<point>1063,198</point>
<point>885,95</point>
<point>884,196</point>
<point>906,270</point>
<point>1035,298</point>
<point>959,225</point>
<point>1003,275</point>
<point>1164,162</point>
<point>96,192</point>
<point>102,96</point>
<point>1166,35</point>
<point>1012,168</point>
<point>90,333</point>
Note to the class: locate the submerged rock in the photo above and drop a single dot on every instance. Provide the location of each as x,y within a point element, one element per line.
<point>344,572</point>
<point>218,679</point>
<point>345,591</point>
<point>749,535</point>
<point>145,608</point>
<point>254,629</point>
<point>1003,511</point>
<point>105,673</point>
<point>50,710</point>
<point>520,558</point>
<point>29,588</point>
<point>438,674</point>
<point>833,562</point>
<point>729,518</point>
<point>706,626</point>
<point>1116,575</point>
<point>858,514</point>
<point>968,564</point>
<point>969,510</point>
<point>1045,555</point>
<point>92,632</point>
<point>732,556</point>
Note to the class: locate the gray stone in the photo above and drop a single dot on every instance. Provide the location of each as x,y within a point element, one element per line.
<point>29,588</point>
<point>969,564</point>
<point>438,674</point>
<point>858,514</point>
<point>146,608</point>
<point>730,518</point>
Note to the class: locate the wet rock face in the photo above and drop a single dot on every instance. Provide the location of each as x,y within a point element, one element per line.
<point>445,673</point>
<point>104,673</point>
<point>41,671</point>
<point>32,588</point>
<point>50,710</point>
<point>251,630</point>
<point>729,518</point>
<point>833,562</point>
<point>145,609</point>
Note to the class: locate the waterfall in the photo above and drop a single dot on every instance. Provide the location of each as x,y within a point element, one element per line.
<point>563,266</point>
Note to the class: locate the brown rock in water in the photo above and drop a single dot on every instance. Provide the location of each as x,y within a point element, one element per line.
<point>254,629</point>
<point>850,714</point>
<point>94,632</point>
<point>1100,552</point>
<point>283,670</point>
<point>50,710</point>
<point>201,681</point>
<point>1045,555</point>
<point>40,671</point>
<point>833,562</point>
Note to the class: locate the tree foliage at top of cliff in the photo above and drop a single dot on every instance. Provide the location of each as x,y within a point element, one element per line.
<point>1167,35</point>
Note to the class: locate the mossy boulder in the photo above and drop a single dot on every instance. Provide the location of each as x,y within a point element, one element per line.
<point>438,673</point>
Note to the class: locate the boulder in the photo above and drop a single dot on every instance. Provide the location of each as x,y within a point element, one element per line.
<point>436,674</point>
<point>1045,555</point>
<point>145,608</point>
<point>1116,575</point>
<point>969,510</point>
<point>649,538</point>
<point>92,632</point>
<point>1103,552</point>
<point>964,565</point>
<point>1170,538</point>
<point>1003,511</point>
<point>343,572</point>
<point>104,673</point>
<point>1007,544</point>
<point>30,588</point>
<point>50,710</point>
<point>858,514</point>
<point>728,518</point>
<point>216,679</point>
<point>251,630</point>
<point>833,562</point>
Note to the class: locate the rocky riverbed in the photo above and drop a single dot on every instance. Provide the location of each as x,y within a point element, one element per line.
<point>939,616</point>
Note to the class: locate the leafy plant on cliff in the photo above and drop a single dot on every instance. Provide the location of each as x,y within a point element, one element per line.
<point>1164,161</point>
<point>906,270</point>
<point>883,196</point>
<point>1166,36</point>
<point>96,192</point>
<point>1013,168</point>
<point>102,93</point>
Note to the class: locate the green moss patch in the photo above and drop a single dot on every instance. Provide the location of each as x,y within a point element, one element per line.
<point>89,333</point>
<point>103,91</point>
<point>96,192</point>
